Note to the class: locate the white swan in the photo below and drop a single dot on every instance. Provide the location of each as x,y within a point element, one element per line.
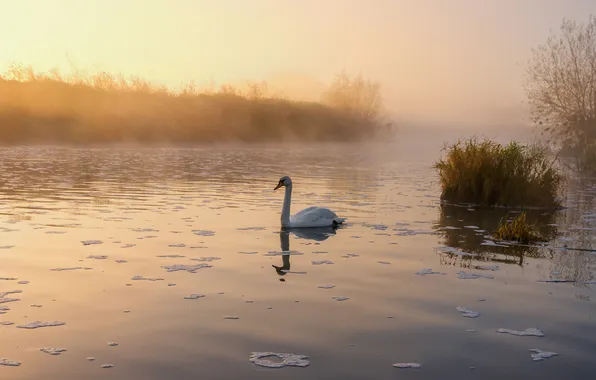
<point>309,217</point>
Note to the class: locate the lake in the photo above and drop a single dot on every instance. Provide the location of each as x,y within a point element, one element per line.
<point>169,263</point>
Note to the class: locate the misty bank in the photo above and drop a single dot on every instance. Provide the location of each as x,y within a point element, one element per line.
<point>108,109</point>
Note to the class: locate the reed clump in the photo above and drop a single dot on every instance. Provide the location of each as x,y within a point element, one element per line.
<point>487,173</point>
<point>518,229</point>
<point>106,108</point>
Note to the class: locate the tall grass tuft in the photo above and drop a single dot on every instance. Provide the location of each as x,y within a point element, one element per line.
<point>488,173</point>
<point>518,229</point>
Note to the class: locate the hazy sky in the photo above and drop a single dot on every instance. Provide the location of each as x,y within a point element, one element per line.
<point>449,60</point>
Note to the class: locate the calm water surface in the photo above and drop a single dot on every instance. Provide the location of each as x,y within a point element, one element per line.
<point>160,207</point>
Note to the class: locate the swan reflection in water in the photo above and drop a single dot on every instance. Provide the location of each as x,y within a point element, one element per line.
<point>317,234</point>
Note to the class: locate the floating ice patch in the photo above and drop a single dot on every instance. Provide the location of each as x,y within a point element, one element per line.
<point>340,298</point>
<point>450,228</point>
<point>491,243</point>
<point>278,360</point>
<point>181,245</point>
<point>251,229</point>
<point>6,246</point>
<point>24,282</point>
<point>407,365</point>
<point>384,262</point>
<point>472,276</point>
<point>282,253</point>
<point>91,242</point>
<point>207,259</point>
<point>193,296</point>
<point>142,278</point>
<point>171,256</point>
<point>527,332</point>
<point>326,286</point>
<point>538,355</point>
<point>52,351</point>
<point>321,262</point>
<point>493,268</point>
<point>39,324</point>
<point>97,257</point>
<point>9,363</point>
<point>203,232</point>
<point>188,268</point>
<point>231,317</point>
<point>465,312</point>
<point>70,268</point>
<point>425,271</point>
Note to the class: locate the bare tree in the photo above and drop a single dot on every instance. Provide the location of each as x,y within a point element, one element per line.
<point>356,96</point>
<point>561,84</point>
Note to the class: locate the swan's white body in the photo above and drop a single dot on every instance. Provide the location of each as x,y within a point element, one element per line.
<point>309,217</point>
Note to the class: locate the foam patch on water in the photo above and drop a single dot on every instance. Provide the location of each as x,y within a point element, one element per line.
<point>340,298</point>
<point>472,227</point>
<point>142,278</point>
<point>326,286</point>
<point>184,267</point>
<point>193,296</point>
<point>39,324</point>
<point>407,365</point>
<point>206,259</point>
<point>203,232</point>
<point>52,351</point>
<point>472,276</point>
<point>539,355</point>
<point>321,262</point>
<point>264,359</point>
<point>9,363</point>
<point>97,257</point>
<point>467,313</point>
<point>69,268</point>
<point>91,242</point>
<point>532,331</point>
<point>425,271</point>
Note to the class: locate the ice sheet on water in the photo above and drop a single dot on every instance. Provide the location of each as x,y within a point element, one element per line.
<point>193,296</point>
<point>532,331</point>
<point>407,365</point>
<point>184,267</point>
<point>467,313</point>
<point>97,257</point>
<point>472,276</point>
<point>91,242</point>
<point>321,262</point>
<point>425,271</point>
<point>52,351</point>
<point>142,278</point>
<point>538,355</point>
<point>206,258</point>
<point>203,232</point>
<point>9,363</point>
<point>264,359</point>
<point>39,324</point>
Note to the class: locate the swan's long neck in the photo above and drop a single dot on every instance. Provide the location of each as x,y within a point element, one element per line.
<point>285,211</point>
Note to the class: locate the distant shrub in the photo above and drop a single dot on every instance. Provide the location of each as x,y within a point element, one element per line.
<point>518,229</point>
<point>488,173</point>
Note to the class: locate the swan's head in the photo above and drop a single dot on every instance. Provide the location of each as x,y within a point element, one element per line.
<point>283,181</point>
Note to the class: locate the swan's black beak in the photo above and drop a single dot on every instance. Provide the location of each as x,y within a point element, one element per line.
<point>280,184</point>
